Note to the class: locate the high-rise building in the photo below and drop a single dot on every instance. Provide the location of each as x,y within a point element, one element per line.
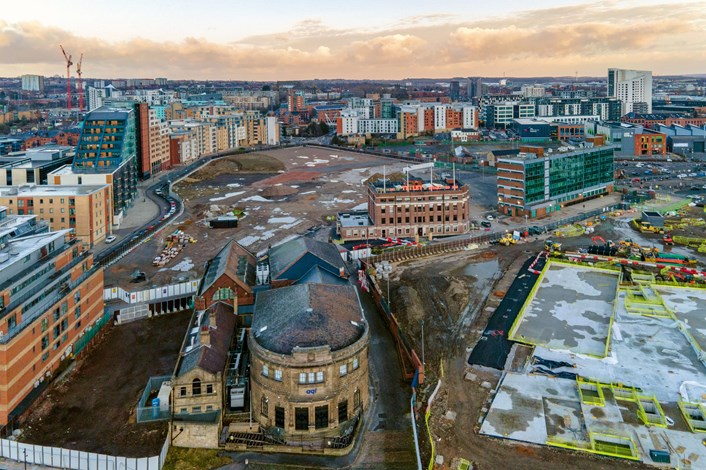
<point>33,83</point>
<point>475,88</point>
<point>295,100</point>
<point>533,91</point>
<point>633,88</point>
<point>50,294</point>
<point>454,90</point>
<point>107,146</point>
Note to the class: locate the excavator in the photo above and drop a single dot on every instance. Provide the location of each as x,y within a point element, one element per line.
<point>597,238</point>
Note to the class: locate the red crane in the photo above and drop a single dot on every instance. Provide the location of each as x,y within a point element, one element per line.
<point>80,86</point>
<point>68,77</point>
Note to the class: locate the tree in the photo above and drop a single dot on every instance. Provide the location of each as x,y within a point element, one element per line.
<point>324,128</point>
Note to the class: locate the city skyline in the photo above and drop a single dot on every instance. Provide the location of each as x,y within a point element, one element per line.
<point>231,42</point>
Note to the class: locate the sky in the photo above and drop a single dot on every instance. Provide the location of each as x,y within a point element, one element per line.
<point>287,40</point>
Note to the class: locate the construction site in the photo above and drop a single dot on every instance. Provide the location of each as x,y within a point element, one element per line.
<point>550,331</point>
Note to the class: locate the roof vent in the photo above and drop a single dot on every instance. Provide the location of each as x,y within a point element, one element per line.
<point>309,310</point>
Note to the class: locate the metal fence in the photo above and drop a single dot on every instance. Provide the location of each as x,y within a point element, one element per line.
<point>145,411</point>
<point>91,332</point>
<point>461,243</point>
<point>76,459</point>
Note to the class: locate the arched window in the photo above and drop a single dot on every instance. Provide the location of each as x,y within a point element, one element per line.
<point>356,399</point>
<point>224,293</point>
<point>263,406</point>
<point>196,387</point>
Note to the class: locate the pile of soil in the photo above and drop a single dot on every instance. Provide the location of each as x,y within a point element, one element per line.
<point>279,191</point>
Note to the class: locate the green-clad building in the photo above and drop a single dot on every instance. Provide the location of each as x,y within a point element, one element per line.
<point>535,186</point>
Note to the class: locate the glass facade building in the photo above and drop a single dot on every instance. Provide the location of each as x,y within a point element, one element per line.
<point>535,186</point>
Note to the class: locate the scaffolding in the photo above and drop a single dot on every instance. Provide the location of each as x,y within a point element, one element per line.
<point>694,415</point>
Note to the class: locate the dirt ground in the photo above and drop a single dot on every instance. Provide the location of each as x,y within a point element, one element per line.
<point>93,407</point>
<point>277,194</point>
<point>455,295</point>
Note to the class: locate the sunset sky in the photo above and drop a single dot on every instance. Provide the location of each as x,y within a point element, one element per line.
<point>285,40</point>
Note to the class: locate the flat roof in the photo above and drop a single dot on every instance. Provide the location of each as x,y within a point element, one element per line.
<point>49,190</point>
<point>528,121</point>
<point>354,219</point>
<point>16,250</point>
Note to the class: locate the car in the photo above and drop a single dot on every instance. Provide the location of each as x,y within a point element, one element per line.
<point>110,238</point>
<point>489,217</point>
<point>485,224</point>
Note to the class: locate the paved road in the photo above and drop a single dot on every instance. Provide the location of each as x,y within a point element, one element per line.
<point>494,346</point>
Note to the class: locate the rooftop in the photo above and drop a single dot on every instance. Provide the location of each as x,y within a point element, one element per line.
<point>30,190</point>
<point>16,250</point>
<point>416,184</point>
<point>210,357</point>
<point>354,219</point>
<point>107,112</point>
<point>307,315</point>
<point>284,256</point>
<point>233,260</point>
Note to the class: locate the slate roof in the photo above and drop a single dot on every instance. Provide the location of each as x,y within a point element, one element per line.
<point>318,275</point>
<point>307,315</point>
<point>283,256</point>
<point>211,358</point>
<point>233,260</point>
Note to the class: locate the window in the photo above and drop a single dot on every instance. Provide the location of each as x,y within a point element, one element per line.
<point>302,378</point>
<point>301,419</point>
<point>209,389</point>
<point>342,411</point>
<point>12,321</point>
<point>355,363</point>
<point>182,391</point>
<point>265,370</point>
<point>279,417</point>
<point>264,406</point>
<point>311,377</point>
<point>78,312</point>
<point>196,409</point>
<point>278,375</point>
<point>321,417</point>
<point>356,399</point>
<point>319,377</point>
<point>196,387</point>
<point>45,342</point>
<point>343,370</point>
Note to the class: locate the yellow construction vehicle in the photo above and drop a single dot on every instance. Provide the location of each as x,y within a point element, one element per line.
<point>507,240</point>
<point>552,248</point>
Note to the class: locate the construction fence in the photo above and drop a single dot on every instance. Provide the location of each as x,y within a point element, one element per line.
<point>76,459</point>
<point>467,242</point>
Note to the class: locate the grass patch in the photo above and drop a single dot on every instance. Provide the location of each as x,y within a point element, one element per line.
<point>181,458</point>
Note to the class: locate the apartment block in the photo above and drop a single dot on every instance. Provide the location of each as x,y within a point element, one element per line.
<point>534,186</point>
<point>50,294</point>
<point>85,209</point>
<point>633,88</point>
<point>32,83</point>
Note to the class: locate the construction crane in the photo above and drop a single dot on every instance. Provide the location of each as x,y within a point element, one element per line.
<point>68,77</point>
<point>80,85</point>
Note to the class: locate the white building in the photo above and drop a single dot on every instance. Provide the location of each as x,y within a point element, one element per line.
<point>272,130</point>
<point>633,88</point>
<point>378,126</point>
<point>533,91</point>
<point>33,83</point>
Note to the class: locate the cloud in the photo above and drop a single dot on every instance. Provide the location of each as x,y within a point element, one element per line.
<point>587,38</point>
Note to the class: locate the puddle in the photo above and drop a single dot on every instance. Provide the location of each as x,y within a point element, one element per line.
<point>485,270</point>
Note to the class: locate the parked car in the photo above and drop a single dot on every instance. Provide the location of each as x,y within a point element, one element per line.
<point>489,217</point>
<point>485,224</point>
<point>110,238</point>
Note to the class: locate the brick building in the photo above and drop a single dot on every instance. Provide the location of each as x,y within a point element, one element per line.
<point>229,275</point>
<point>88,210</point>
<point>418,207</point>
<point>309,360</point>
<point>50,294</point>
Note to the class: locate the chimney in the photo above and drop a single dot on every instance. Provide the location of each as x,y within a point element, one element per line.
<point>342,271</point>
<point>212,318</point>
<point>199,303</point>
<point>205,336</point>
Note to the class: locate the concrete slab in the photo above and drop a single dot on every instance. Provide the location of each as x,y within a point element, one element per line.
<point>570,310</point>
<point>689,306</point>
